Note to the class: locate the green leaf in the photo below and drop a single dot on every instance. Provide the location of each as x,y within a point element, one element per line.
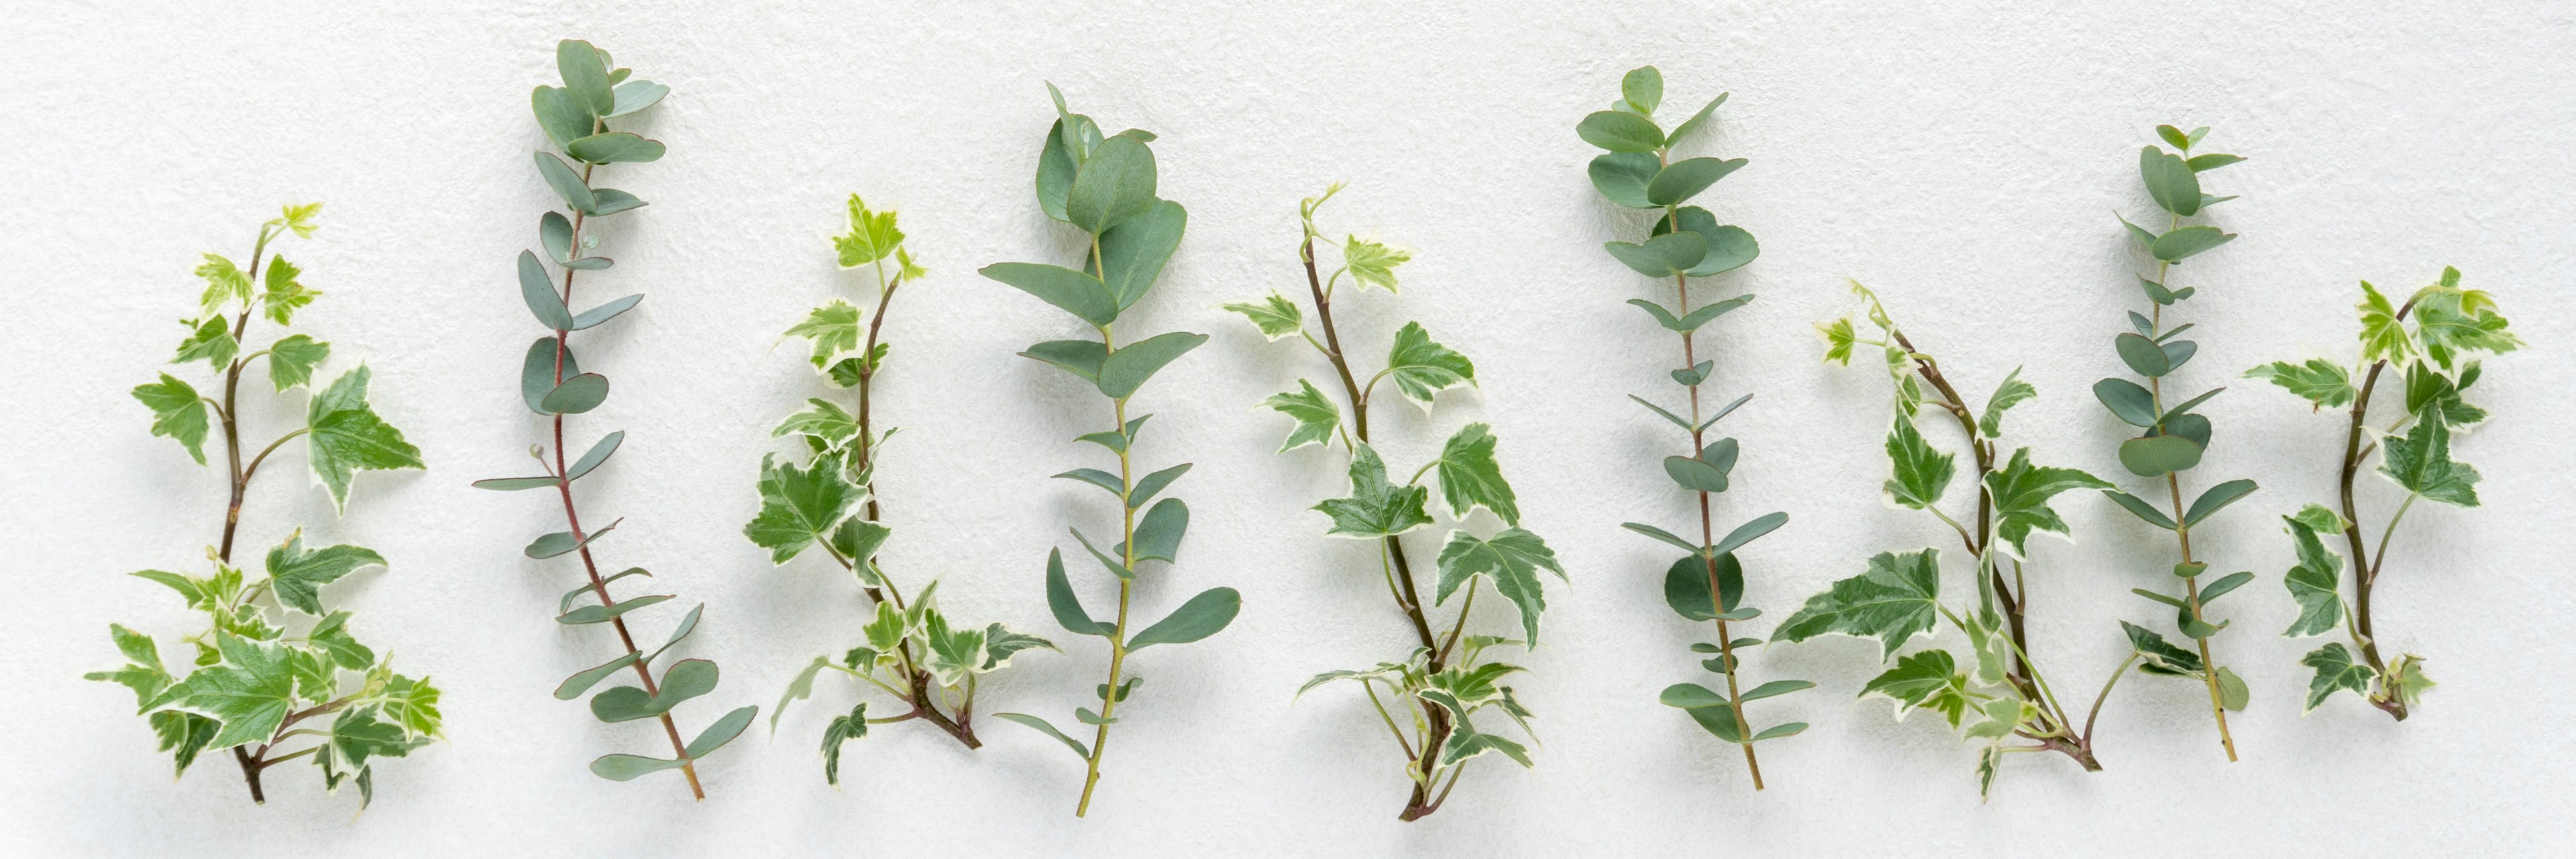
<point>1729,247</point>
<point>2216,499</point>
<point>954,653</point>
<point>1469,477</point>
<point>580,682</point>
<point>537,372</point>
<point>821,419</point>
<point>2232,693</point>
<point>1372,264</point>
<point>210,341</point>
<point>2220,588</point>
<point>1067,607</point>
<point>1126,368</point>
<point>2184,242</point>
<point>561,543</point>
<point>177,412</point>
<point>1148,485</point>
<point>610,201</point>
<point>1079,750</point>
<point>2315,582</point>
<point>1667,255</point>
<point>1929,680</point>
<point>605,613</point>
<point>2406,678</point>
<point>2021,492</point>
<point>1422,368</point>
<point>332,636</point>
<point>346,436</point>
<point>2421,462</point>
<point>1690,696</point>
<point>1276,316</point>
<point>1077,293</point>
<point>249,692</point>
<point>1376,507</point>
<point>2318,381</point>
<point>635,95</point>
<point>723,731</point>
<point>686,679</point>
<point>1202,616</point>
<point>567,184</point>
<point>2155,456</point>
<point>1079,357</point>
<point>1921,473</point>
<point>1114,184</point>
<point>1000,643</point>
<point>614,147</point>
<point>563,115</point>
<point>585,74</point>
<point>1892,601</point>
<point>284,294</point>
<point>1706,472</point>
<point>1068,142</point>
<point>1622,177</point>
<point>2383,336</point>
<point>2160,656</point>
<point>296,576</point>
<point>1620,132</point>
<point>1686,585</point>
<point>1158,535</point>
<point>2142,355</point>
<point>833,328</point>
<point>1697,119</point>
<point>630,767</point>
<point>1643,88</point>
<point>225,283</point>
<point>291,360</point>
<point>1316,416</point>
<point>2011,393</point>
<point>2139,506</point>
<point>842,729</point>
<point>2170,181</point>
<point>1684,179</point>
<point>2336,672</point>
<point>2212,161</point>
<point>576,395</point>
<point>1136,249</point>
<point>540,294</point>
<point>873,236</point>
<point>1511,559</point>
<point>799,505</point>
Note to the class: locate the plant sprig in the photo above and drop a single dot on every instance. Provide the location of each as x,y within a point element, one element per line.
<point>1444,681</point>
<point>2174,436</point>
<point>909,649</point>
<point>1998,693</point>
<point>1104,186</point>
<point>575,118</point>
<point>2428,342</point>
<point>1707,583</point>
<point>253,687</point>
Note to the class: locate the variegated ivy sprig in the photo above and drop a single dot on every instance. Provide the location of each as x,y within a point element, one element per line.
<point>1104,186</point>
<point>1444,681</point>
<point>251,687</point>
<point>910,649</point>
<point>2428,341</point>
<point>1999,693</point>
<point>1707,584</point>
<point>2174,436</point>
<point>575,118</point>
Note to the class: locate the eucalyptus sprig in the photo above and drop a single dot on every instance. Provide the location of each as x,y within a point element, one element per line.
<point>909,649</point>
<point>2175,437</point>
<point>1707,584</point>
<point>252,687</point>
<point>1998,693</point>
<point>2427,341</point>
<point>1104,186</point>
<point>575,118</point>
<point>1444,681</point>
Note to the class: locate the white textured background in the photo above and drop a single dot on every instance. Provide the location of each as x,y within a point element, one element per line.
<point>1964,158</point>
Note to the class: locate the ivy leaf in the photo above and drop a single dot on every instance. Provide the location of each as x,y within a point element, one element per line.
<point>1921,473</point>
<point>842,730</point>
<point>2449,321</point>
<point>2011,393</point>
<point>2336,672</point>
<point>799,505</point>
<point>143,671</point>
<point>1276,316</point>
<point>1316,416</point>
<point>2421,462</point>
<point>954,653</point>
<point>2021,493</point>
<point>210,341</point>
<point>177,412</point>
<point>2383,337</point>
<point>821,419</point>
<point>249,692</point>
<point>1930,680</point>
<point>1000,644</point>
<point>1891,601</point>
<point>332,636</point>
<point>1422,369</point>
<point>1469,477</point>
<point>297,575</point>
<point>1372,264</point>
<point>2161,656</point>
<point>1376,507</point>
<point>291,360</point>
<point>872,236</point>
<point>2316,581</point>
<point>284,294</point>
<point>2318,381</point>
<point>833,328</point>
<point>225,283</point>
<point>2406,678</point>
<point>1511,559</point>
<point>347,436</point>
